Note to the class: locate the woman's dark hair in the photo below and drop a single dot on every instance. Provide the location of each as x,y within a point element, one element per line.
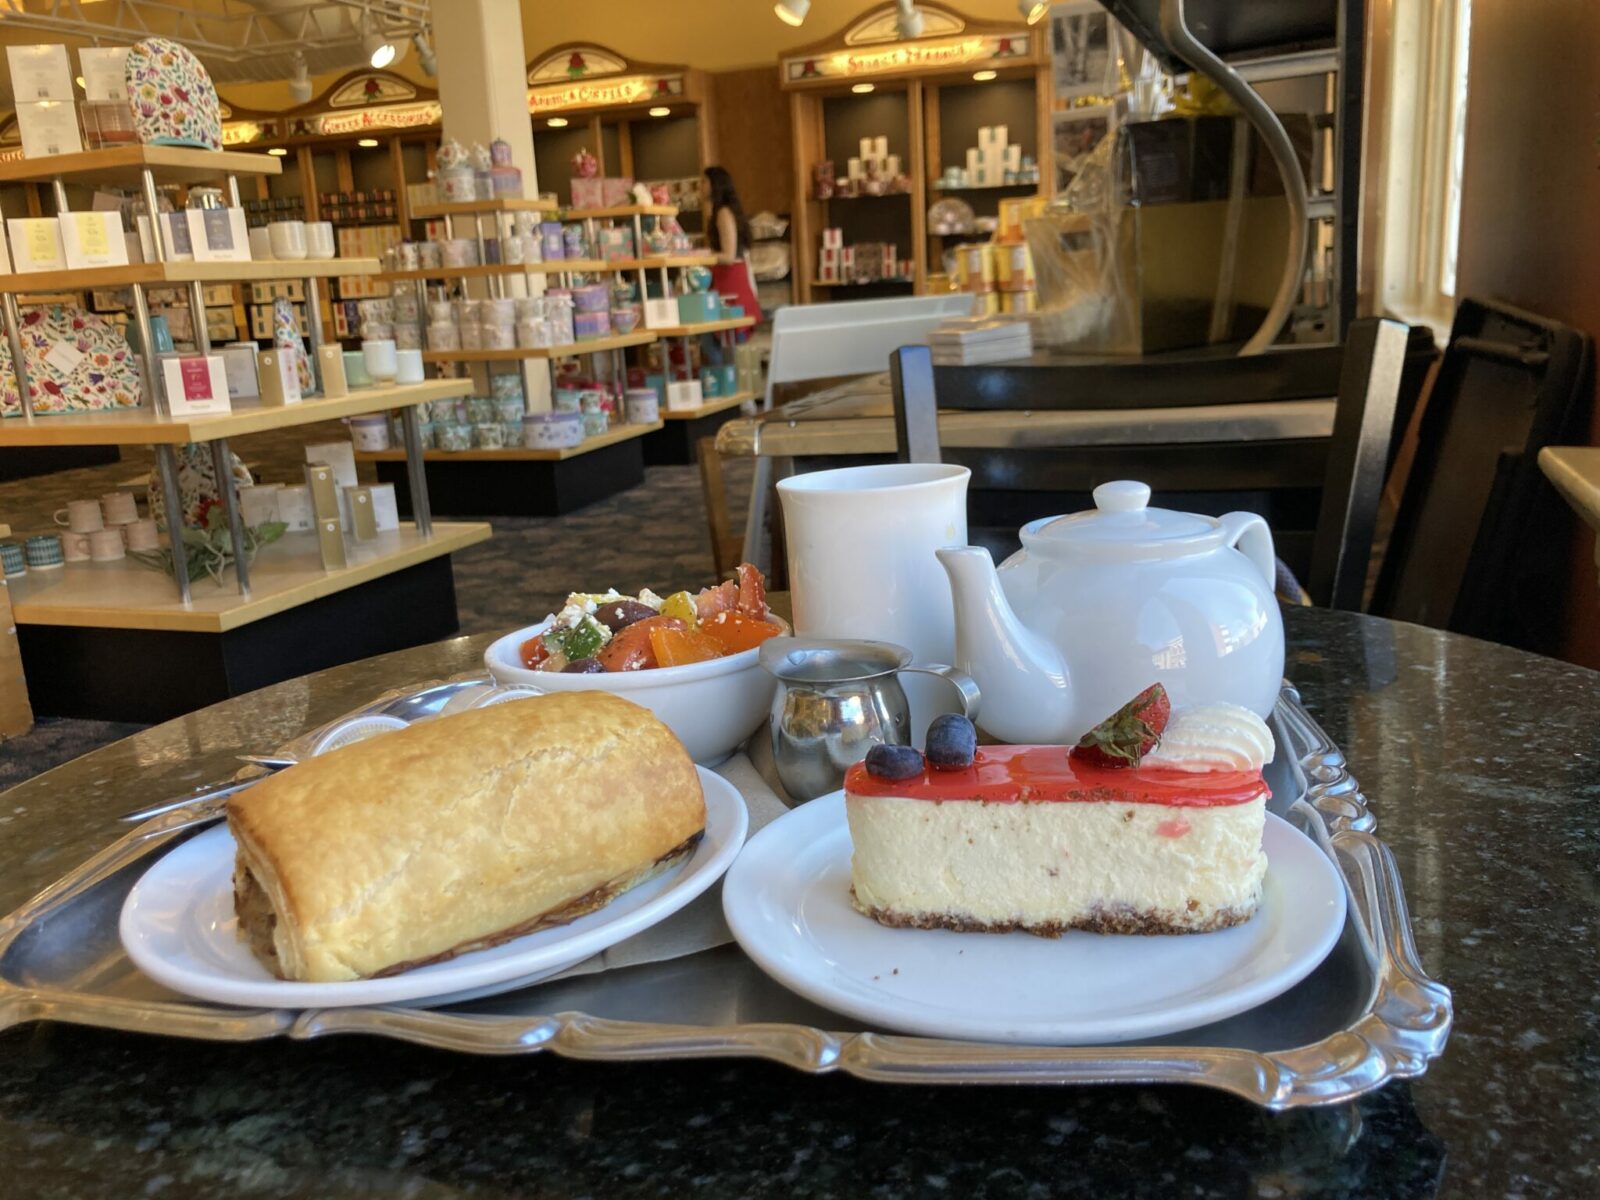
<point>723,196</point>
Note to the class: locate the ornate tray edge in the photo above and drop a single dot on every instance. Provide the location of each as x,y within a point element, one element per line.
<point>1404,1028</point>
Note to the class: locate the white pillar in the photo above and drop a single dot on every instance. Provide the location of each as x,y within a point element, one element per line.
<point>484,93</point>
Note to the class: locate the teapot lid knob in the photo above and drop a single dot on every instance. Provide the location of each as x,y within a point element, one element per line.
<point>1124,495</point>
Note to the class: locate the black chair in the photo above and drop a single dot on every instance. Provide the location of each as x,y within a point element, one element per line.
<point>1481,541</point>
<point>1350,467</point>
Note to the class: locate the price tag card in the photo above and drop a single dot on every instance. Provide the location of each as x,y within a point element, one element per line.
<point>196,385</point>
<point>36,244</point>
<point>103,73</point>
<point>49,127</point>
<point>64,357</point>
<point>93,239</point>
<point>218,235</point>
<point>40,73</point>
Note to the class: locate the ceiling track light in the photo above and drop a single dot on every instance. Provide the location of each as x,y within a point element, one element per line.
<point>792,12</point>
<point>426,58</point>
<point>300,82</point>
<point>908,21</point>
<point>1033,11</point>
<point>380,51</point>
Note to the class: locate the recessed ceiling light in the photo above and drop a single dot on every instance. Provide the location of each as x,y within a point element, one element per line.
<point>984,76</point>
<point>367,143</point>
<point>277,152</point>
<point>660,111</point>
<point>792,12</point>
<point>861,89</point>
<point>557,123</point>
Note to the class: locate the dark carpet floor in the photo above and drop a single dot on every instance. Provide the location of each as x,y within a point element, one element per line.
<point>652,536</point>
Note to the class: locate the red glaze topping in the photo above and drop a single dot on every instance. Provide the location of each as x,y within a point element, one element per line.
<point>1007,774</point>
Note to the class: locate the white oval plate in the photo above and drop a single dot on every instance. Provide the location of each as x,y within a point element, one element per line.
<point>178,927</point>
<point>787,900</point>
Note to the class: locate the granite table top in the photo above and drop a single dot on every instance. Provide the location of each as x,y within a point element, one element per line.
<point>1481,763</point>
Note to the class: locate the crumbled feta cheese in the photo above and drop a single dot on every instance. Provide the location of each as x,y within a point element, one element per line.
<point>646,596</point>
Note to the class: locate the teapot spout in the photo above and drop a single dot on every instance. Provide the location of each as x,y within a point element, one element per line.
<point>1027,696</point>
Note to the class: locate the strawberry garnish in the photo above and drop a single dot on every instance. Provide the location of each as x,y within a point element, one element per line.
<point>1128,734</point>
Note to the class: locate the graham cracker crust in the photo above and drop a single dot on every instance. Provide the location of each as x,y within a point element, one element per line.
<point>1126,921</point>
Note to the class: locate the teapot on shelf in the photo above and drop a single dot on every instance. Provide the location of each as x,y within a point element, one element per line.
<point>1099,605</point>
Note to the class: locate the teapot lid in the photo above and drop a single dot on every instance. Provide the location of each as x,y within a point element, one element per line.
<point>1123,521</point>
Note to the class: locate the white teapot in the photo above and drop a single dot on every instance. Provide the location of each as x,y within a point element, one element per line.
<point>1099,605</point>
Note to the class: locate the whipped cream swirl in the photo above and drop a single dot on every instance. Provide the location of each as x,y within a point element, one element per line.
<point>1212,737</point>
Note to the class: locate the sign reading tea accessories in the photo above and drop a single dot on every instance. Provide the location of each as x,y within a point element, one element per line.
<point>388,116</point>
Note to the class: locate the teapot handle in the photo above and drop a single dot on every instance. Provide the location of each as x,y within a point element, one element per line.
<point>1250,535</point>
<point>964,684</point>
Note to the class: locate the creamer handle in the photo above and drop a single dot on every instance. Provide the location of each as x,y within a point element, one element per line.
<point>1250,535</point>
<point>966,687</point>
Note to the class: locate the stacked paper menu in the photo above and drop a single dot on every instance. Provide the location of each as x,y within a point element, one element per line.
<point>971,341</point>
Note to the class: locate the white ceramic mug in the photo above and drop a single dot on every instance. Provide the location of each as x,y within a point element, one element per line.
<point>261,244</point>
<point>75,546</point>
<point>408,364</point>
<point>105,545</point>
<point>319,240</point>
<point>861,563</point>
<point>120,507</point>
<point>295,509</point>
<point>141,534</point>
<point>81,516</point>
<point>381,359</point>
<point>288,239</point>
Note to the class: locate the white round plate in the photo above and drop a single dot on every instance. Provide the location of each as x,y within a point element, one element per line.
<point>178,927</point>
<point>787,900</point>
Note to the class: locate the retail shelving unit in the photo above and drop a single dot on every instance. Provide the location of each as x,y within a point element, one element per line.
<point>866,80</point>
<point>117,640</point>
<point>512,480</point>
<point>519,481</point>
<point>682,428</point>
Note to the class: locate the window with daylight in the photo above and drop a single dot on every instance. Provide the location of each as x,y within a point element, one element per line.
<point>1421,157</point>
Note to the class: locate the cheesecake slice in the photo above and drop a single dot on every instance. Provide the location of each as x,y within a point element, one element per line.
<point>1038,839</point>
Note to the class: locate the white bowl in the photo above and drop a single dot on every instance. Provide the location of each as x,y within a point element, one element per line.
<point>711,706</point>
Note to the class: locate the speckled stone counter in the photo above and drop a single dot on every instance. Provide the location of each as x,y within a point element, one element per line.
<point>1482,764</point>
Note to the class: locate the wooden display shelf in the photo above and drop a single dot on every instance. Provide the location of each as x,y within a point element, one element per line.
<point>617,433</point>
<point>124,165</point>
<point>477,208</point>
<point>721,326</point>
<point>715,405</point>
<point>285,575</point>
<point>145,427</point>
<point>547,267</point>
<point>620,341</point>
<point>664,260</point>
<point>157,274</point>
<point>621,210</point>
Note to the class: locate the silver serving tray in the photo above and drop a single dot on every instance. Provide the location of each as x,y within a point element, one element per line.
<point>1368,1014</point>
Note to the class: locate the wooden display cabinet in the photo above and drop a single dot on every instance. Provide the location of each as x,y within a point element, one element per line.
<point>830,110</point>
<point>586,96</point>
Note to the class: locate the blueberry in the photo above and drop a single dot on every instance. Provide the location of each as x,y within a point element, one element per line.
<point>952,742</point>
<point>894,762</point>
<point>583,666</point>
